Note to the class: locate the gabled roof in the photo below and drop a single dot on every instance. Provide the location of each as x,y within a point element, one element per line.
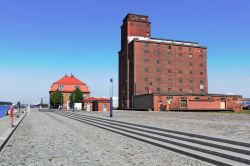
<point>69,80</point>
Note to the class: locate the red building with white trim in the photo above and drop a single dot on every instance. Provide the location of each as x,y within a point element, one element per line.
<point>67,85</point>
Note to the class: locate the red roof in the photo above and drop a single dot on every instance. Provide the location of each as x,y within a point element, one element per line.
<point>70,83</point>
<point>69,80</point>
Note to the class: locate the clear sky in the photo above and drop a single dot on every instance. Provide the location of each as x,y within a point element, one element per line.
<point>42,40</point>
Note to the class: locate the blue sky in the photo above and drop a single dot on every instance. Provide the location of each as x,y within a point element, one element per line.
<point>41,41</point>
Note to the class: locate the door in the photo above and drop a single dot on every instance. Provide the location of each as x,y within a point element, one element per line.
<point>104,107</point>
<point>183,104</point>
<point>88,107</point>
<point>223,105</point>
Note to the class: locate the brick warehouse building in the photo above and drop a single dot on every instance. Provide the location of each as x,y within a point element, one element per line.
<point>159,66</point>
<point>67,85</point>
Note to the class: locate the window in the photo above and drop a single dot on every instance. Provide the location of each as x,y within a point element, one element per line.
<point>146,79</point>
<point>61,87</point>
<point>222,98</point>
<point>169,53</point>
<point>200,50</point>
<point>180,63</point>
<point>146,60</point>
<point>158,89</point>
<point>210,98</point>
<point>190,49</point>
<point>201,81</point>
<point>181,55</point>
<point>200,56</point>
<point>179,48</point>
<point>158,79</point>
<point>180,81</point>
<point>169,71</point>
<point>190,81</point>
<point>169,47</point>
<point>190,56</point>
<point>235,98</point>
<point>190,72</point>
<point>201,65</point>
<point>183,98</point>
<point>146,51</point>
<point>169,62</point>
<point>158,52</point>
<point>158,46</point>
<point>190,63</point>
<point>197,98</point>
<point>169,80</point>
<point>169,89</point>
<point>146,44</point>
<point>146,69</point>
<point>180,71</point>
<point>201,90</point>
<point>191,90</point>
<point>146,88</point>
<point>180,90</point>
<point>201,73</point>
<point>158,70</point>
<point>170,97</point>
<point>157,61</point>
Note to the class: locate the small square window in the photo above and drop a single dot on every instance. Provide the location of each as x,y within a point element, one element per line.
<point>169,71</point>
<point>201,65</point>
<point>190,81</point>
<point>146,88</point>
<point>146,44</point>
<point>180,90</point>
<point>190,49</point>
<point>158,70</point>
<point>169,89</point>
<point>180,81</point>
<point>201,73</point>
<point>146,69</point>
<point>146,60</point>
<point>158,89</point>
<point>169,47</point>
<point>169,80</point>
<point>157,61</point>
<point>169,53</point>
<point>158,46</point>
<point>146,79</point>
<point>146,51</point>
<point>190,63</point>
<point>158,79</point>
<point>181,55</point>
<point>190,72</point>
<point>158,52</point>
<point>190,56</point>
<point>179,48</point>
<point>180,71</point>
<point>169,62</point>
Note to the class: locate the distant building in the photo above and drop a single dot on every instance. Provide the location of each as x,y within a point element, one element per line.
<point>96,104</point>
<point>162,67</point>
<point>67,85</point>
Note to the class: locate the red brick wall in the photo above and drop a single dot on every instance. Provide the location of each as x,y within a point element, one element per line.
<point>203,103</point>
<point>163,66</point>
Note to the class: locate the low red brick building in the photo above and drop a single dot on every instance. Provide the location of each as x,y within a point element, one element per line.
<point>67,85</point>
<point>188,102</point>
<point>96,104</point>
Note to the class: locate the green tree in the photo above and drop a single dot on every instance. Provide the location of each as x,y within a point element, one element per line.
<point>76,96</point>
<point>56,99</point>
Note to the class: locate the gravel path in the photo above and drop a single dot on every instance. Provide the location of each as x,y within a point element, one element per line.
<point>45,138</point>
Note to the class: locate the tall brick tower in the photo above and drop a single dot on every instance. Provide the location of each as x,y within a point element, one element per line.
<point>160,66</point>
<point>133,26</point>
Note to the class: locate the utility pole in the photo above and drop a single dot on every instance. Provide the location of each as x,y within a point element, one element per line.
<point>111,98</point>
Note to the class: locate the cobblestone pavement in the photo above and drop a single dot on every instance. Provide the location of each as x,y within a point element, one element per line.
<point>222,125</point>
<point>44,138</point>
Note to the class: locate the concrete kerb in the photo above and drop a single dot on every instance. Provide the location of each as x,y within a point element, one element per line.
<point>5,137</point>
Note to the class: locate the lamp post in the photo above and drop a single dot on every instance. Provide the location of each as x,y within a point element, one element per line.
<point>111,98</point>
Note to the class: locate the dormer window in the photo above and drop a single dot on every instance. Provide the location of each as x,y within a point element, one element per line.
<point>61,87</point>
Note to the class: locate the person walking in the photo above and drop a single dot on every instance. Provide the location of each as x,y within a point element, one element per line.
<point>12,115</point>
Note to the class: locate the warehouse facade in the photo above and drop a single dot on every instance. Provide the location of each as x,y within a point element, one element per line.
<point>158,66</point>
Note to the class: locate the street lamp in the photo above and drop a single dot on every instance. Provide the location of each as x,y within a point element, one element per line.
<point>111,98</point>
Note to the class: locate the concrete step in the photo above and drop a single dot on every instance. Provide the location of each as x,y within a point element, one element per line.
<point>210,158</point>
